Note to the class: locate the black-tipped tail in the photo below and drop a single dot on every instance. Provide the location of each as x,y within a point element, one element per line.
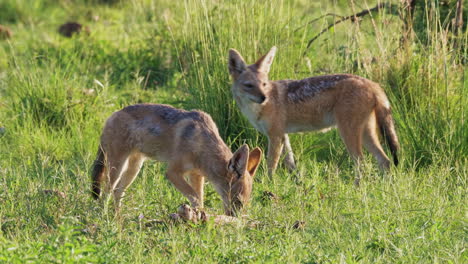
<point>387,128</point>
<point>98,174</point>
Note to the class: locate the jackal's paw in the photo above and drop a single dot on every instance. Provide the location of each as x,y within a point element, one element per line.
<point>290,165</point>
<point>297,176</point>
<point>357,182</point>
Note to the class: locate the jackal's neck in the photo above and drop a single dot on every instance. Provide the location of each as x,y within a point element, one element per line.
<point>216,169</point>
<point>216,166</point>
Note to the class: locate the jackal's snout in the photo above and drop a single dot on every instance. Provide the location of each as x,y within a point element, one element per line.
<point>257,98</point>
<point>262,99</point>
<point>235,210</point>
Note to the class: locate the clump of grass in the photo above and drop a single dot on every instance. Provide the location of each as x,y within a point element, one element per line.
<point>429,108</point>
<point>10,12</point>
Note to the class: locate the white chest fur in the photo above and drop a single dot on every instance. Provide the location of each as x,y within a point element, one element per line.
<point>252,111</point>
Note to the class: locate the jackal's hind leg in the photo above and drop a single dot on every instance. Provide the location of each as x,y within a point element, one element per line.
<point>372,144</point>
<point>351,133</point>
<point>135,161</point>
<point>116,163</point>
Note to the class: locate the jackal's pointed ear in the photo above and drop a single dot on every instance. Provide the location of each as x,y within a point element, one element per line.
<point>238,162</point>
<point>255,157</point>
<point>236,63</point>
<point>264,63</point>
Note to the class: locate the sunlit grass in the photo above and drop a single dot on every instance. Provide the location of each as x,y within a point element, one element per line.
<point>55,94</point>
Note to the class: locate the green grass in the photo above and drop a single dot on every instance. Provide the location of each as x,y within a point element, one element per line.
<point>175,52</point>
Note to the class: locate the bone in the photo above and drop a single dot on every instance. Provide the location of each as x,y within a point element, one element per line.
<point>187,214</point>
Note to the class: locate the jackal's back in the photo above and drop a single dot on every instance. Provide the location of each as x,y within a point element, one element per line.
<point>300,90</point>
<point>165,113</point>
<point>158,131</point>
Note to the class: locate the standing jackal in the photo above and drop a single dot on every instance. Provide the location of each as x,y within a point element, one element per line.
<point>190,144</point>
<point>357,106</point>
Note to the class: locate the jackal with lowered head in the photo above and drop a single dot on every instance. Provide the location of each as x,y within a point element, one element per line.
<point>355,105</point>
<point>188,141</point>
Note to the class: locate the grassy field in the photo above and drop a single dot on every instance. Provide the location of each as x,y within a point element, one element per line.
<point>56,92</point>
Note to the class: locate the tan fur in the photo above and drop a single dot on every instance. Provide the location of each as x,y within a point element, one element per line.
<point>277,108</point>
<point>188,141</point>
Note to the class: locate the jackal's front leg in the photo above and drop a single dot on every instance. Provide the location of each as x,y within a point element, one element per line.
<point>197,181</point>
<point>275,144</point>
<point>176,176</point>
<point>288,154</point>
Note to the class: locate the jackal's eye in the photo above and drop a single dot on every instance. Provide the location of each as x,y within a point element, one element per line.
<point>264,84</point>
<point>248,85</point>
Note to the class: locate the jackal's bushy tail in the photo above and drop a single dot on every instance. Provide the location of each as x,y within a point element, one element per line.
<point>387,128</point>
<point>98,174</point>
